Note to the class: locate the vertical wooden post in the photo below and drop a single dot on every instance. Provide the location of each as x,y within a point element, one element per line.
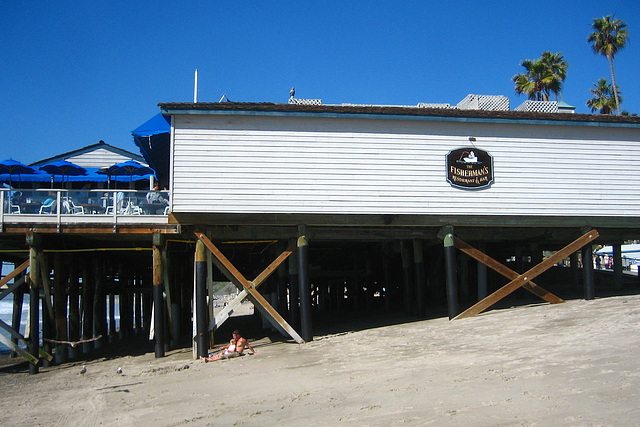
<point>587,272</point>
<point>386,266</point>
<point>294,294</point>
<point>158,299</point>
<point>112,317</point>
<point>87,307</point>
<point>420,278</point>
<point>405,252</point>
<point>201,300</point>
<point>99,303</point>
<point>34,300</point>
<point>450,263</point>
<point>617,266</point>
<point>138,303</point>
<point>305,284</point>
<point>18,300</point>
<point>74,309</point>
<point>575,271</point>
<point>282,306</point>
<point>482,276</point>
<point>60,306</point>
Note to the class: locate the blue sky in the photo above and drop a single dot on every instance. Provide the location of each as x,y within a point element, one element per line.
<point>77,72</point>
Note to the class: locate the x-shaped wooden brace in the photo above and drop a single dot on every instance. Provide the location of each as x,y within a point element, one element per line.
<point>248,289</point>
<point>519,280</point>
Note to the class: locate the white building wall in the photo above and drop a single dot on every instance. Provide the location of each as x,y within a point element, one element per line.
<point>263,164</point>
<point>98,158</point>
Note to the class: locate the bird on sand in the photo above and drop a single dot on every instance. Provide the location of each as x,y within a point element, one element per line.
<point>119,371</point>
<point>83,370</point>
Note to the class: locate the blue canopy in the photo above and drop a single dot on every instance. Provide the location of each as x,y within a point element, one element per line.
<point>156,125</point>
<point>152,138</point>
<point>92,175</point>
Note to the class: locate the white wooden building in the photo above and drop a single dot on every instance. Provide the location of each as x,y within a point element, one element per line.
<point>337,165</point>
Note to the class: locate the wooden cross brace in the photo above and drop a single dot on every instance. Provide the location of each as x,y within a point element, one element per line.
<point>519,280</point>
<point>248,289</point>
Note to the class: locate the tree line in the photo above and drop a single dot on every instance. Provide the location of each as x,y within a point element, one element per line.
<point>546,75</point>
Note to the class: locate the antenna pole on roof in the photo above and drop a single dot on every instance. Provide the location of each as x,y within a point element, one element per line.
<point>195,89</point>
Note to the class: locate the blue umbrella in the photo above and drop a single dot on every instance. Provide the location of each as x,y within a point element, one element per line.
<point>128,168</point>
<point>13,167</point>
<point>64,168</point>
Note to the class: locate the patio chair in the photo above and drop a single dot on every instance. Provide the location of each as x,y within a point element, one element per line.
<point>14,208</point>
<point>48,207</point>
<point>72,208</point>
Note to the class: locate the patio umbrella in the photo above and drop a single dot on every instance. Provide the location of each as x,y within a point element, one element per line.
<point>63,168</point>
<point>13,167</point>
<point>128,168</point>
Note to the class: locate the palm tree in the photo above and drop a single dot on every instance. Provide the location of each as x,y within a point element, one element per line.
<point>609,36</point>
<point>556,70</point>
<point>542,76</point>
<point>603,99</point>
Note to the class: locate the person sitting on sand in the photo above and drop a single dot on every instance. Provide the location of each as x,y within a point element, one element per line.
<point>224,353</point>
<point>234,349</point>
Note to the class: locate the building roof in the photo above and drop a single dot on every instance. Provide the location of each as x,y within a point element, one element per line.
<point>101,145</point>
<point>402,112</point>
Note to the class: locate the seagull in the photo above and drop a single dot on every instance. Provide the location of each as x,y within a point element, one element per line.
<point>119,371</point>
<point>292,92</point>
<point>83,370</point>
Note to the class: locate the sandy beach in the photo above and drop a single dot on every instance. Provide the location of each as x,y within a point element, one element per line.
<point>576,363</point>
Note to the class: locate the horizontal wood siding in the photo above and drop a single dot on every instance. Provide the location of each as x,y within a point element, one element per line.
<point>256,164</point>
<point>98,159</point>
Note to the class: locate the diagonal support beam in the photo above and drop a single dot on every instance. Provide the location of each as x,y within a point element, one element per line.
<point>505,271</point>
<point>224,314</point>
<point>529,275</point>
<point>232,273</point>
<point>14,273</point>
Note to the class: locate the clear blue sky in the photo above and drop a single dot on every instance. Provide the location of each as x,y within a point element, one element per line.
<point>73,73</point>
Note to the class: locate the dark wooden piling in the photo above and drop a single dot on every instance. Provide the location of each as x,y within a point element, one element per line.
<point>405,253</point>
<point>201,300</point>
<point>34,301</point>
<point>74,309</point>
<point>482,275</point>
<point>158,299</point>
<point>16,317</point>
<point>617,266</point>
<point>100,303</point>
<point>420,279</point>
<point>587,273</point>
<point>87,308</point>
<point>137,304</point>
<point>450,267</point>
<point>60,307</point>
<point>305,285</point>
<point>294,291</point>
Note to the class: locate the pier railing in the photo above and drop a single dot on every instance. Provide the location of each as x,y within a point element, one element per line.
<point>83,206</point>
